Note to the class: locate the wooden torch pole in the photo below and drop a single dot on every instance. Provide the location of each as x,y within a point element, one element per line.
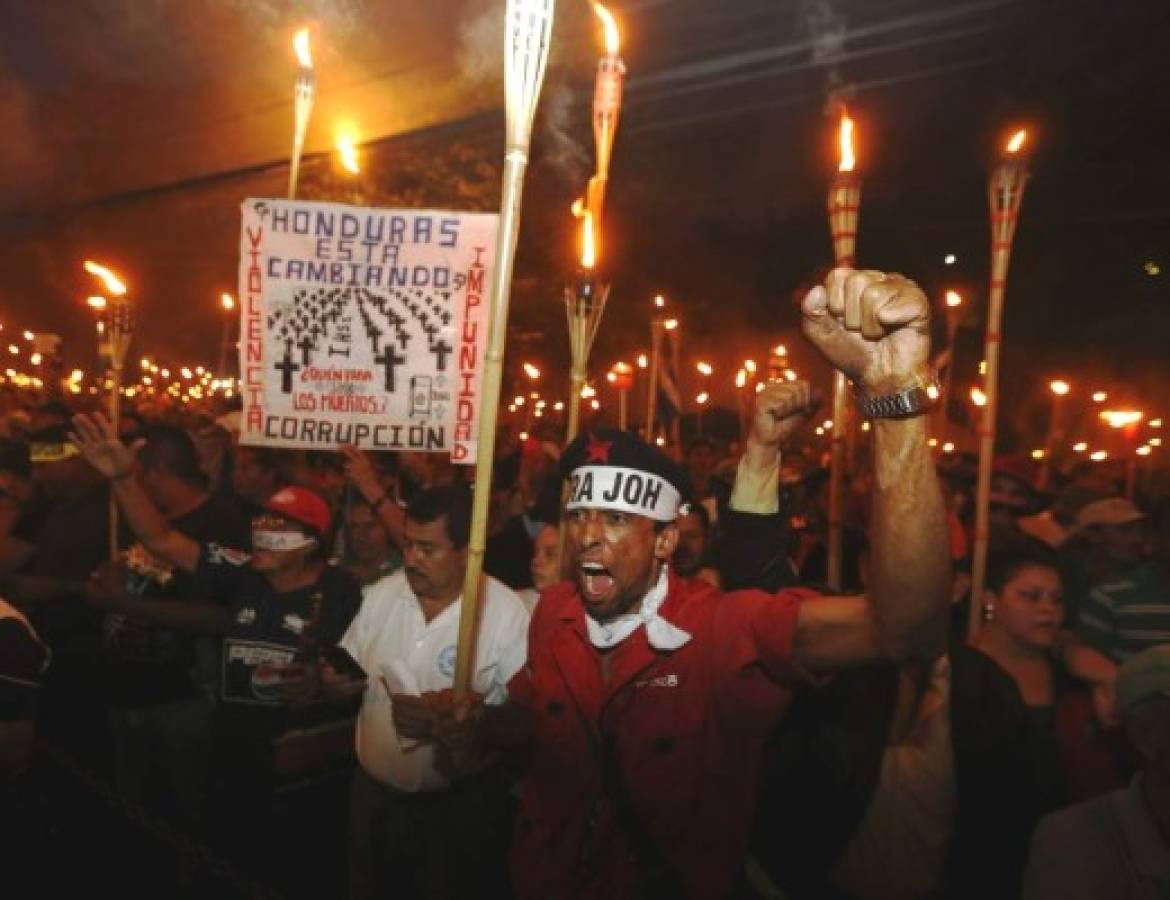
<point>844,204</point>
<point>526,42</point>
<point>1005,193</point>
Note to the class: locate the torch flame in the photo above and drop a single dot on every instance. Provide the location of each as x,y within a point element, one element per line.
<point>612,41</point>
<point>227,301</point>
<point>588,239</point>
<point>848,160</point>
<point>301,48</point>
<point>1017,141</point>
<point>96,302</point>
<point>347,151</point>
<point>113,284</point>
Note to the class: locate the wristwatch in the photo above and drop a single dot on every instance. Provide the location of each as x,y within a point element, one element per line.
<point>911,401</point>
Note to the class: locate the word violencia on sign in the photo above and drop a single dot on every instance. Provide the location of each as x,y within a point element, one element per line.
<point>363,326</point>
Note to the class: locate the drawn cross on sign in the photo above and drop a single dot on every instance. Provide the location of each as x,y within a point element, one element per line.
<point>403,336</point>
<point>286,369</point>
<point>307,345</point>
<point>375,334</point>
<point>389,359</point>
<point>441,351</point>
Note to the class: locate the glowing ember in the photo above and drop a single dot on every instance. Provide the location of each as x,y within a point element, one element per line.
<point>848,160</point>
<point>1017,141</point>
<point>612,39</point>
<point>301,48</point>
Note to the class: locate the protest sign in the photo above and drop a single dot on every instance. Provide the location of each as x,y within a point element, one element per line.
<point>363,326</point>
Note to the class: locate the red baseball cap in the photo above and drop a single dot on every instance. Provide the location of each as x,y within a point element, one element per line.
<point>303,506</point>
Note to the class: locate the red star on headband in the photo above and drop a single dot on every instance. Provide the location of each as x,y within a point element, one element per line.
<point>597,451</point>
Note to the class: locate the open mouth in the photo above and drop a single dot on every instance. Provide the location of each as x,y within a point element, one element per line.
<point>596,581</point>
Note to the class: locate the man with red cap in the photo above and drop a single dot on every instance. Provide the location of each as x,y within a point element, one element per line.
<point>646,699</point>
<point>278,608</point>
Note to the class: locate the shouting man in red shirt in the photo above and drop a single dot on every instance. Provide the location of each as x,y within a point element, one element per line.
<point>646,699</point>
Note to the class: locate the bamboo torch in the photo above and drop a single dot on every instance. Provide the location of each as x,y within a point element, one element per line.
<point>118,331</point>
<point>607,106</point>
<point>527,30</point>
<point>1005,193</point>
<point>584,307</point>
<point>621,376</point>
<point>844,205</point>
<point>304,93</point>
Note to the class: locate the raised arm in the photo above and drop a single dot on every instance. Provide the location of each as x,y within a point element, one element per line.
<point>876,328</point>
<point>99,443</point>
<point>360,472</point>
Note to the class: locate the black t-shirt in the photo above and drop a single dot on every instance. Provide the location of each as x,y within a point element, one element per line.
<point>149,663</point>
<point>266,632</point>
<point>22,661</point>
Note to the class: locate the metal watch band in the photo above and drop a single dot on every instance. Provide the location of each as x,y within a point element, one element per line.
<point>902,405</point>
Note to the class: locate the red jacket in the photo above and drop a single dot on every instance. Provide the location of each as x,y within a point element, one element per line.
<point>689,727</point>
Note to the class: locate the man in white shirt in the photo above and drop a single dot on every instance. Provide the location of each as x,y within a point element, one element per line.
<point>415,830</point>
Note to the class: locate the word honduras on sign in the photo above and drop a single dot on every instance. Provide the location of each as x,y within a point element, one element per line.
<point>363,326</point>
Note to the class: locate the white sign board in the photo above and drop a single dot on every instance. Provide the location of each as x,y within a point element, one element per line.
<point>363,326</point>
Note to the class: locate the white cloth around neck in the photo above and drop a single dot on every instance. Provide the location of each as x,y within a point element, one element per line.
<point>660,634</point>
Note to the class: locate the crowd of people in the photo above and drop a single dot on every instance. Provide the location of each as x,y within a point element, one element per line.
<point>667,699</point>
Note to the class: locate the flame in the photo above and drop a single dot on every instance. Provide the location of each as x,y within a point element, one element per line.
<point>1121,418</point>
<point>1016,143</point>
<point>531,371</point>
<point>704,368</point>
<point>96,302</point>
<point>347,150</point>
<point>670,324</point>
<point>642,361</point>
<point>227,301</point>
<point>588,239</point>
<point>1059,387</point>
<point>978,397</point>
<point>848,160</point>
<point>301,48</point>
<point>612,41</point>
<point>740,378</point>
<point>113,284</point>
<point>954,298</point>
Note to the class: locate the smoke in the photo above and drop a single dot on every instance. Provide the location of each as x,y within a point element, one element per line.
<point>338,18</point>
<point>481,46</point>
<point>561,149</point>
<point>827,31</point>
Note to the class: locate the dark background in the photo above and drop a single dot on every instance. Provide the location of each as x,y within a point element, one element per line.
<point>132,129</point>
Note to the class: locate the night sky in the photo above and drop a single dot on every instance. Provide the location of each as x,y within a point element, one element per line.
<point>134,128</point>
